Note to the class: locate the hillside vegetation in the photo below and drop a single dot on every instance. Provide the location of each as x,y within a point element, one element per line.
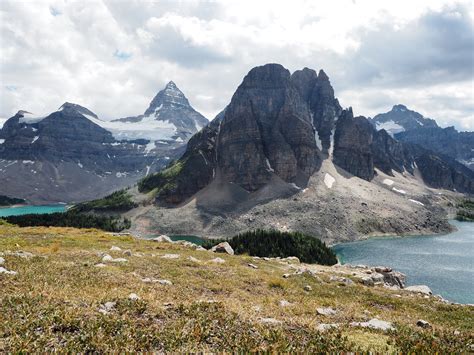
<point>70,219</point>
<point>66,290</point>
<point>119,201</point>
<point>9,201</point>
<point>273,243</point>
<point>465,212</point>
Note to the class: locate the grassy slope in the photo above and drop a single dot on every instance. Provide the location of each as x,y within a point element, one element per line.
<point>53,302</point>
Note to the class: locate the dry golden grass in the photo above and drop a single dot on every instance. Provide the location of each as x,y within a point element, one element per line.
<point>53,301</point>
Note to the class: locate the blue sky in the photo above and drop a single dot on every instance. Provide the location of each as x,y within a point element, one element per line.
<point>113,56</point>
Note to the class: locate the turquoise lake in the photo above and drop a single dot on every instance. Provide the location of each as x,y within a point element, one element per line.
<point>16,211</point>
<point>443,262</point>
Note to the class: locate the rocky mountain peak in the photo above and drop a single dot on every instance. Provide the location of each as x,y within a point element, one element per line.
<point>22,113</point>
<point>401,119</point>
<point>323,76</point>
<point>71,107</point>
<point>170,96</point>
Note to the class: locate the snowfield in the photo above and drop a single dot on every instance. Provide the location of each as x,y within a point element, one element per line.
<point>390,126</point>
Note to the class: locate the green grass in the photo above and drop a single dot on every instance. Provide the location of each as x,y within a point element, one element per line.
<point>52,303</point>
<point>163,180</point>
<point>119,201</point>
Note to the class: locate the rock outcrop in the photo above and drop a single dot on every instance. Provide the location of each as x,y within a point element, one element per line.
<point>353,145</point>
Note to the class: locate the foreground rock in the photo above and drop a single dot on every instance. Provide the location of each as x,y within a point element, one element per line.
<point>423,289</point>
<point>223,247</point>
<point>374,324</point>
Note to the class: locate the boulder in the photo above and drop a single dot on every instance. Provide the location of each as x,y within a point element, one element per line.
<point>367,281</point>
<point>7,272</point>
<point>162,239</point>
<point>2,261</point>
<point>423,289</point>
<point>107,307</point>
<point>133,297</point>
<point>308,288</point>
<point>170,256</point>
<point>127,252</point>
<point>423,324</point>
<point>165,282</point>
<point>327,311</point>
<point>284,303</point>
<point>223,247</point>
<point>218,261</point>
<point>374,324</point>
<point>253,266</point>
<point>323,327</point>
<point>115,248</point>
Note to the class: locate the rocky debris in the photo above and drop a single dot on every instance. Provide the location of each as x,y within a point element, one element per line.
<point>107,307</point>
<point>270,321</point>
<point>326,311</point>
<point>284,303</point>
<point>423,324</point>
<point>7,272</point>
<point>115,248</point>
<point>19,253</point>
<point>374,324</point>
<point>217,261</point>
<point>291,260</point>
<point>133,297</point>
<point>308,288</point>
<point>108,258</point>
<point>323,326</point>
<point>162,239</point>
<point>165,282</point>
<point>367,281</point>
<point>423,289</point>
<point>342,280</point>
<point>223,247</point>
<point>170,256</point>
<point>187,244</point>
<point>127,252</point>
<point>253,266</point>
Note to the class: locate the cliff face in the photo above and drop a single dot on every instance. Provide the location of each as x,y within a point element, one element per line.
<point>353,145</point>
<point>267,129</point>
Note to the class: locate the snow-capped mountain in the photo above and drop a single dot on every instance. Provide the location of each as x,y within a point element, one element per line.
<point>169,117</point>
<point>72,154</point>
<point>401,119</point>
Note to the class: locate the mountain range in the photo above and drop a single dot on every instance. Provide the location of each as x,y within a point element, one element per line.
<point>284,154</point>
<point>72,155</point>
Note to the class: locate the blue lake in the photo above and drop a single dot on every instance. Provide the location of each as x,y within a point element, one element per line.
<point>443,262</point>
<point>16,211</point>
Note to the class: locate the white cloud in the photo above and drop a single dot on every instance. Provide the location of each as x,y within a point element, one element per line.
<point>113,56</point>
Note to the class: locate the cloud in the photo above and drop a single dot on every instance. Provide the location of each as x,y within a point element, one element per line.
<point>113,56</point>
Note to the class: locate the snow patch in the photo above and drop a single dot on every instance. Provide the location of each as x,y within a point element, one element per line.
<point>28,162</point>
<point>149,147</point>
<point>269,167</point>
<point>2,140</point>
<point>388,182</point>
<point>329,180</point>
<point>417,202</point>
<point>80,165</point>
<point>390,126</point>
<point>399,191</point>
<point>34,139</point>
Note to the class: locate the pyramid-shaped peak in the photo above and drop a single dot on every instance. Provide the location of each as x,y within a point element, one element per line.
<point>69,106</point>
<point>170,96</point>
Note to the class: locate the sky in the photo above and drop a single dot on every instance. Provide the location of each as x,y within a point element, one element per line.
<point>113,56</point>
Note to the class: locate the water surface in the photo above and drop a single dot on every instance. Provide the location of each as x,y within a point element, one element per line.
<point>16,211</point>
<point>443,262</point>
